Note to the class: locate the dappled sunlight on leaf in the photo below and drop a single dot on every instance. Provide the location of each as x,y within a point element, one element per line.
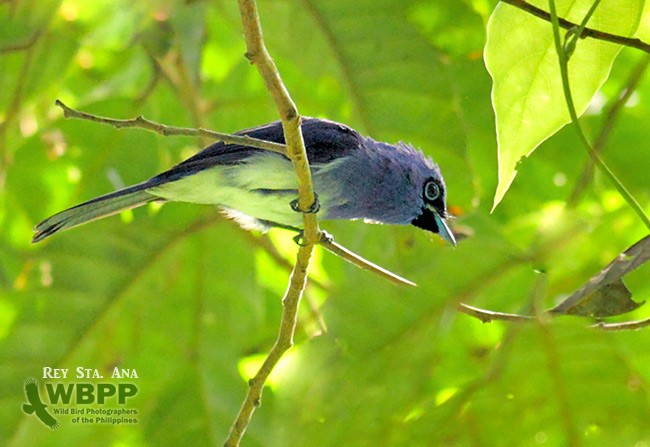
<point>527,93</point>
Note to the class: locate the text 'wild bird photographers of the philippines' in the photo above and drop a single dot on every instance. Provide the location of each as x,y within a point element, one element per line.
<point>82,396</point>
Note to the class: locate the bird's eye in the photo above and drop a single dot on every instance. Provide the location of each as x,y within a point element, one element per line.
<point>431,191</point>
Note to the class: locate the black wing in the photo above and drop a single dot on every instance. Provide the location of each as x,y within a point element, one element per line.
<point>324,140</point>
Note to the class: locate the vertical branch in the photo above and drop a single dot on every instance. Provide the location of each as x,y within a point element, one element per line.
<point>283,343</point>
<point>258,55</point>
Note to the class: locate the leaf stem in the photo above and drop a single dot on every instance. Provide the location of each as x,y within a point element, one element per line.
<point>564,72</point>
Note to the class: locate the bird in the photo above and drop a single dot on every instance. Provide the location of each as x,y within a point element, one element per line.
<point>354,177</point>
<point>36,406</point>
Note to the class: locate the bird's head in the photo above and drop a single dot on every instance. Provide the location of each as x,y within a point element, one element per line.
<point>433,209</point>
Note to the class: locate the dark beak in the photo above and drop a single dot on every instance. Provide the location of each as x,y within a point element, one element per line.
<point>431,220</point>
<point>443,229</point>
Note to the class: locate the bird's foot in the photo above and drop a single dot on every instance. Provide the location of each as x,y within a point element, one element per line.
<point>313,208</point>
<point>299,239</point>
<point>325,237</point>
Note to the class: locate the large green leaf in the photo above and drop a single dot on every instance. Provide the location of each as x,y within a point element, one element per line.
<point>527,90</point>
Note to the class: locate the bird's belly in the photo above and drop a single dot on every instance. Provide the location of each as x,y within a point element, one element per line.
<point>266,197</point>
<point>269,206</point>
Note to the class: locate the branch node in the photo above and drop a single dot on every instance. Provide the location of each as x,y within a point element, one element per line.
<point>66,109</point>
<point>291,114</point>
<point>326,238</point>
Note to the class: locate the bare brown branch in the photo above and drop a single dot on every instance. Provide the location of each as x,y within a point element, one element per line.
<point>162,129</point>
<point>328,243</point>
<point>283,343</point>
<point>259,56</point>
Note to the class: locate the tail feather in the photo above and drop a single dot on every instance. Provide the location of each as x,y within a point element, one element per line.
<point>97,208</point>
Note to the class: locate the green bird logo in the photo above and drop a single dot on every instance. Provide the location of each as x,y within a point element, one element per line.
<point>36,406</point>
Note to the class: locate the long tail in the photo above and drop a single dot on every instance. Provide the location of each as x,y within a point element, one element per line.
<point>96,208</point>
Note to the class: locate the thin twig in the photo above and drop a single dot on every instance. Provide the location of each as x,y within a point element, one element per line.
<point>264,243</point>
<point>584,31</point>
<point>488,316</point>
<point>328,243</point>
<point>13,109</point>
<point>315,312</point>
<point>563,58</point>
<point>162,129</point>
<point>588,32</point>
<point>624,326</point>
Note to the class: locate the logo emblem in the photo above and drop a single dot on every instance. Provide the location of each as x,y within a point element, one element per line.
<point>36,406</point>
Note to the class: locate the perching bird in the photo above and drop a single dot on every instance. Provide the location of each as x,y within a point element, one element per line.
<point>36,406</point>
<point>354,177</point>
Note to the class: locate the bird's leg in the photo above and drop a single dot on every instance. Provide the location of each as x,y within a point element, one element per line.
<point>313,208</point>
<point>299,239</point>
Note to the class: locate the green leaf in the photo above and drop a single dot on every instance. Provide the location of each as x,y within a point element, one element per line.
<point>527,88</point>
<point>643,32</point>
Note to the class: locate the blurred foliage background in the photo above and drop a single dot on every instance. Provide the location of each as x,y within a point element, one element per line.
<point>192,302</point>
